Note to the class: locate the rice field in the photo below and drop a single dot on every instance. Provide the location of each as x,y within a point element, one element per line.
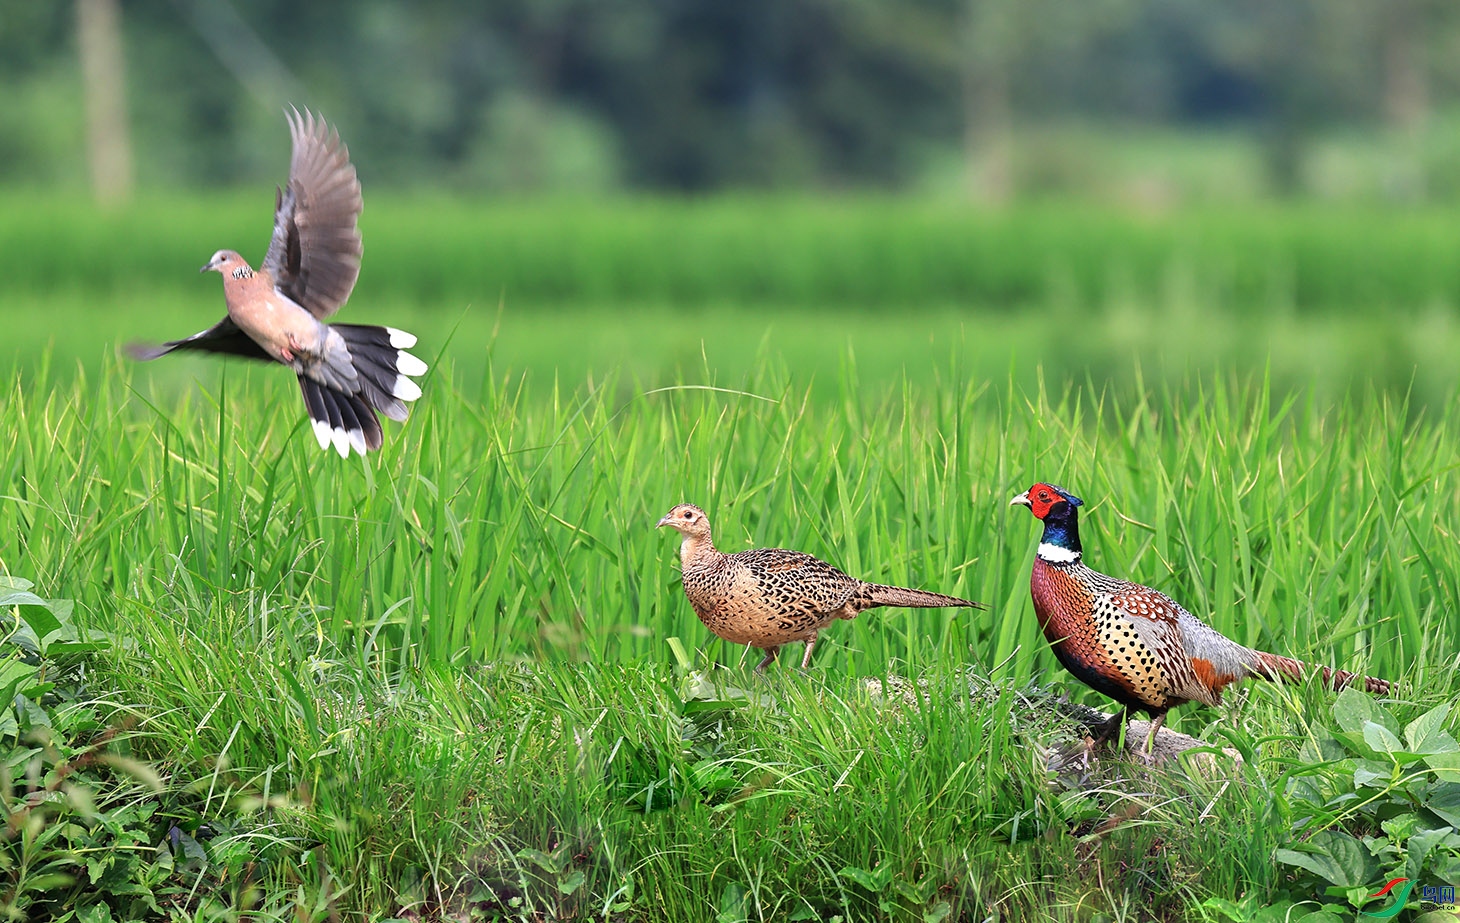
<point>460,678</point>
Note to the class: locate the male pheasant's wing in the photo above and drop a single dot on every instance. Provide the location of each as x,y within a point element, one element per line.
<point>799,581</point>
<point>314,256</point>
<point>1194,661</point>
<point>223,337</point>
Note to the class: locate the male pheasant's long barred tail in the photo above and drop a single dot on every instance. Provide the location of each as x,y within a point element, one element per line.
<point>881,595</point>
<point>1273,667</point>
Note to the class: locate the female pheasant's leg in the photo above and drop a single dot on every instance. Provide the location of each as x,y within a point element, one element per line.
<point>770,657</point>
<point>806,657</point>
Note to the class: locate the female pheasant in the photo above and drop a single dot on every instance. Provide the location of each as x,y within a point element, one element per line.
<point>767,597</point>
<point>1130,642</point>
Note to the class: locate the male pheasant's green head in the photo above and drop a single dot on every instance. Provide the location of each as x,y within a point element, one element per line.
<point>1055,507</point>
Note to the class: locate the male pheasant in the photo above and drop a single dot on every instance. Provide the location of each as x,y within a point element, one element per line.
<point>1131,642</point>
<point>770,596</point>
<point>347,372</point>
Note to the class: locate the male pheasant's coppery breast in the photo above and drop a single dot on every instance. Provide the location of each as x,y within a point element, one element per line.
<point>1093,639</point>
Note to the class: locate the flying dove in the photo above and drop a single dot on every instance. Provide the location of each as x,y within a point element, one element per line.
<point>276,313</point>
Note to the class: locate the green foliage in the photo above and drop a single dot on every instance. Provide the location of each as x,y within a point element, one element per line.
<point>92,833</point>
<point>655,292</point>
<point>864,252</point>
<point>1384,800</point>
<point>501,525</point>
<point>301,639</point>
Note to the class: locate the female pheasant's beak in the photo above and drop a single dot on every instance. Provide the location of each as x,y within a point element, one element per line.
<point>663,521</point>
<point>1021,500</point>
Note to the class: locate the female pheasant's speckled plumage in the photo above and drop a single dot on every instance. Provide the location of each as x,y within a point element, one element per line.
<point>1130,642</point>
<point>768,597</point>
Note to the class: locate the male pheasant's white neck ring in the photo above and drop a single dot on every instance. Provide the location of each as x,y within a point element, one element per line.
<point>1055,554</point>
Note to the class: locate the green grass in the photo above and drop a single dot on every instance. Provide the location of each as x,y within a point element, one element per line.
<point>517,521</point>
<point>662,291</point>
<point>304,635</point>
<point>442,679</point>
<point>864,253</point>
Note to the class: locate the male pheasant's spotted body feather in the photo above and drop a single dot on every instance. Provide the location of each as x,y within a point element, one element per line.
<point>768,597</point>
<point>1131,642</point>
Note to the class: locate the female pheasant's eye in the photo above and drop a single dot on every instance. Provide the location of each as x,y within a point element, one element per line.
<point>688,515</point>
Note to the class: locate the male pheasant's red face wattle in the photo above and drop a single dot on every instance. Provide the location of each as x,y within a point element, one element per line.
<point>1039,498</point>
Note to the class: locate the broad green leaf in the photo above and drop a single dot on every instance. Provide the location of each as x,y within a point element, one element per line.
<point>12,674</point>
<point>873,881</point>
<point>1444,800</point>
<point>1336,857</point>
<point>544,861</point>
<point>20,598</point>
<point>572,881</point>
<point>732,904</point>
<point>938,912</point>
<point>1445,765</point>
<point>1352,709</point>
<point>42,622</point>
<point>1418,849</point>
<point>192,849</point>
<point>95,913</point>
<point>8,582</point>
<point>1426,734</point>
<point>1381,738</point>
<point>1372,773</point>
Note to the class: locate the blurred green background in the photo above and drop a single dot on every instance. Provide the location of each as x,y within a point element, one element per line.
<point>680,189</point>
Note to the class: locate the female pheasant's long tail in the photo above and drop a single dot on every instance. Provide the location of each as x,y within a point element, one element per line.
<point>876,594</point>
<point>1275,668</point>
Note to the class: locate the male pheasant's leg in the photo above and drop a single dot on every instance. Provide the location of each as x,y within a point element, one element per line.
<point>1148,754</point>
<point>770,657</point>
<point>1110,728</point>
<point>806,657</point>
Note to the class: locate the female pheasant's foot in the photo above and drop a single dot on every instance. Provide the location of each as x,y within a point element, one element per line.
<point>806,657</point>
<point>770,658</point>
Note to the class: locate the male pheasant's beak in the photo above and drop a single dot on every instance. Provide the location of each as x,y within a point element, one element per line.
<point>1021,500</point>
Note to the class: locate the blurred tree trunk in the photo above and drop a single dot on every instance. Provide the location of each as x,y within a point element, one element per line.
<point>108,144</point>
<point>988,129</point>
<point>1406,92</point>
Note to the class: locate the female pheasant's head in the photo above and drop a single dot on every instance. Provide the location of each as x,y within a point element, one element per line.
<point>1055,507</point>
<point>687,519</point>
